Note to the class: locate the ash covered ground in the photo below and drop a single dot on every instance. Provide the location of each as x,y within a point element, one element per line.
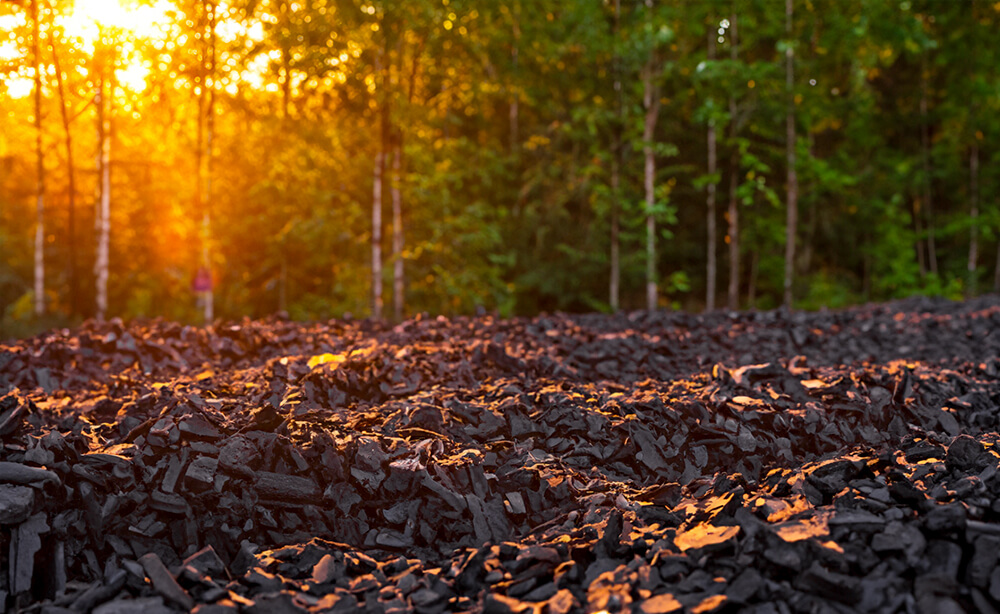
<point>754,462</point>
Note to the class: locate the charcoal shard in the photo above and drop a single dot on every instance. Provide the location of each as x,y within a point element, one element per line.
<point>654,462</point>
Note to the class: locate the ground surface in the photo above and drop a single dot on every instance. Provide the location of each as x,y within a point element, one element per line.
<point>760,462</point>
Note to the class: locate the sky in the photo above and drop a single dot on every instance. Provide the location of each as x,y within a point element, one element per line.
<point>83,24</point>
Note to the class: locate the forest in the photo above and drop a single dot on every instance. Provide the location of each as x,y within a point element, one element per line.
<point>203,159</point>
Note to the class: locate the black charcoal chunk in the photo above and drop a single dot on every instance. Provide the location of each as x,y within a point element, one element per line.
<point>239,456</point>
<point>25,542</point>
<point>965,453</point>
<point>207,562</point>
<point>164,583</point>
<point>143,605</point>
<point>16,503</point>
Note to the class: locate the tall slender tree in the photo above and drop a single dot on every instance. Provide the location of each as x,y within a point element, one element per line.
<point>925,157</point>
<point>973,261</point>
<point>710,190</point>
<point>398,286</point>
<point>74,296</point>
<point>733,232</point>
<point>614,283</point>
<point>651,104</point>
<point>377,234</point>
<point>398,236</point>
<point>106,85</point>
<point>996,271</point>
<point>381,68</point>
<point>39,166</point>
<point>792,212</point>
<point>514,117</point>
<point>208,93</point>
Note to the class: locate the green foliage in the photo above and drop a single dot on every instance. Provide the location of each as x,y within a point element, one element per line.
<point>508,119</point>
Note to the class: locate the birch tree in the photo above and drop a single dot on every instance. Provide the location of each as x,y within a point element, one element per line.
<point>398,286</point>
<point>970,289</point>
<point>614,283</point>
<point>710,189</point>
<point>105,107</point>
<point>74,296</point>
<point>733,213</point>
<point>792,212</point>
<point>39,168</point>
<point>377,172</point>
<point>651,105</point>
<point>925,158</point>
<point>207,101</point>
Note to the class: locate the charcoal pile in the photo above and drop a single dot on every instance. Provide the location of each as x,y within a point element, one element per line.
<point>759,462</point>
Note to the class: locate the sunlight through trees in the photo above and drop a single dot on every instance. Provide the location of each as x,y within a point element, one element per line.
<point>199,159</point>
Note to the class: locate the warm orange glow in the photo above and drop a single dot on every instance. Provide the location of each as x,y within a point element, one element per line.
<point>88,17</point>
<point>18,84</point>
<point>90,20</point>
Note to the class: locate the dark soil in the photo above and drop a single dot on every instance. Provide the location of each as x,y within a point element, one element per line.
<point>759,462</point>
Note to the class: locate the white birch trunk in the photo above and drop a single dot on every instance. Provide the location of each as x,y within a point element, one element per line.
<point>398,298</point>
<point>615,278</point>
<point>710,198</point>
<point>513,113</point>
<point>652,105</point>
<point>104,211</point>
<point>734,209</point>
<point>791,220</point>
<point>104,223</point>
<point>615,281</point>
<point>925,149</point>
<point>973,219</point>
<point>377,236</point>
<point>996,271</point>
<point>206,223</point>
<point>39,272</point>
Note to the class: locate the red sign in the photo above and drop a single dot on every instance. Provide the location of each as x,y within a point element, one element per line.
<point>202,280</point>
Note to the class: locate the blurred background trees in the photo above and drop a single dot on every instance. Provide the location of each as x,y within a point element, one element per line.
<point>265,155</point>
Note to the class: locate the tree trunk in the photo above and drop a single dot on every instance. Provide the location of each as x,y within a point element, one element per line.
<point>649,183</point>
<point>616,154</point>
<point>970,290</point>
<point>996,271</point>
<point>377,235</point>
<point>919,231</point>
<point>208,84</point>
<point>283,280</point>
<point>615,280</point>
<point>866,273</point>
<point>74,295</point>
<point>286,69</point>
<point>651,103</point>
<point>733,233</point>
<point>925,150</point>
<point>397,235</point>
<point>710,198</point>
<point>39,169</point>
<point>734,173</point>
<point>805,253</point>
<point>791,220</point>
<point>515,96</point>
<point>382,66</point>
<point>104,214</point>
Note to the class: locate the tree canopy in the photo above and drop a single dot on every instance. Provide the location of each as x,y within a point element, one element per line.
<point>243,151</point>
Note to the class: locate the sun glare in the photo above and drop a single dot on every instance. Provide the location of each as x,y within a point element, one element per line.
<point>88,17</point>
<point>89,20</point>
<point>85,23</point>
